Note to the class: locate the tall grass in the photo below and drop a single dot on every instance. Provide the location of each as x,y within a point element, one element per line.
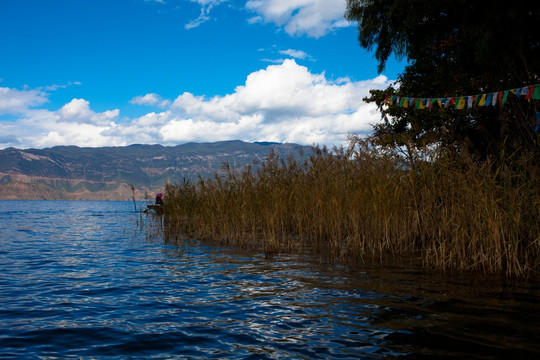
<point>366,203</point>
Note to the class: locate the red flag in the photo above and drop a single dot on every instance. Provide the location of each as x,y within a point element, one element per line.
<point>530,92</point>
<point>500,97</point>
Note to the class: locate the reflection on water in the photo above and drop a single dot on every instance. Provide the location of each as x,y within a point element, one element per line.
<point>94,280</point>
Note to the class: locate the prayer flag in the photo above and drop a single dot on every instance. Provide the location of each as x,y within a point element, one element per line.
<point>482,101</point>
<point>536,94</point>
<point>500,97</point>
<point>470,100</point>
<point>488,100</point>
<point>462,103</point>
<point>477,99</point>
<point>530,92</point>
<point>505,96</point>
<point>404,102</point>
<point>448,102</point>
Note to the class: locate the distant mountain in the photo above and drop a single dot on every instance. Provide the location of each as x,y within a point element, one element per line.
<point>106,173</point>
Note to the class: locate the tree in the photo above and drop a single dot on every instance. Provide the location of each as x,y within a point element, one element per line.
<point>457,48</point>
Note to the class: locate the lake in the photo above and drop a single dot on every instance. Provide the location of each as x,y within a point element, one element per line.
<point>95,280</point>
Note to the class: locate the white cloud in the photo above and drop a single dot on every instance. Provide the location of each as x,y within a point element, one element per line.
<point>255,19</point>
<point>44,128</point>
<point>314,18</point>
<point>282,103</point>
<point>78,110</point>
<point>55,87</point>
<point>74,134</point>
<point>13,101</point>
<point>273,61</point>
<point>297,54</point>
<point>206,6</point>
<point>150,99</point>
<point>185,130</point>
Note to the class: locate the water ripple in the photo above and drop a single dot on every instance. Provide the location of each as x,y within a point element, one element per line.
<point>84,280</point>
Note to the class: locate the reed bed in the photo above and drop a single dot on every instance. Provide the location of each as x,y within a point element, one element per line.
<point>365,203</point>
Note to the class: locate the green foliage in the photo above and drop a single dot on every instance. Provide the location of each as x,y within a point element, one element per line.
<point>457,48</point>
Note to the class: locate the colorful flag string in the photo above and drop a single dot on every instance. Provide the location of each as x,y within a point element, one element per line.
<point>531,92</point>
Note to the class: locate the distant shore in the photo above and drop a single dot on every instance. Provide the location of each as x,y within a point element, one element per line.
<point>43,191</point>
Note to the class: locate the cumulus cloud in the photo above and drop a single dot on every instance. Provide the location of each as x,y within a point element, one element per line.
<point>43,128</point>
<point>78,110</point>
<point>150,99</point>
<point>73,134</point>
<point>13,101</point>
<point>283,103</point>
<point>74,123</point>
<point>314,18</point>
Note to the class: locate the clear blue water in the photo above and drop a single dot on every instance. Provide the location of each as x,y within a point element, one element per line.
<point>95,280</point>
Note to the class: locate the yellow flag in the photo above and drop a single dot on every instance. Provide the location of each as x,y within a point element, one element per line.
<point>482,100</point>
<point>461,103</point>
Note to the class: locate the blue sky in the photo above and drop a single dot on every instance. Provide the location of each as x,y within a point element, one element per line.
<point>118,72</point>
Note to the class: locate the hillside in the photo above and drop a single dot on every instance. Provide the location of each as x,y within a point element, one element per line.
<point>106,173</point>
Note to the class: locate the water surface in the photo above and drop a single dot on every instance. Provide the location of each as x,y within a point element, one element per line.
<point>95,280</point>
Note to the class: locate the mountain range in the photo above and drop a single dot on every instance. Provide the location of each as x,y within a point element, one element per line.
<point>108,173</point>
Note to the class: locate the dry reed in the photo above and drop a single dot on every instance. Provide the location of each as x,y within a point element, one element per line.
<point>365,203</point>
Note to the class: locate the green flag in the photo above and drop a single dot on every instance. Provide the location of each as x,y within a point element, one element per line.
<point>536,94</point>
